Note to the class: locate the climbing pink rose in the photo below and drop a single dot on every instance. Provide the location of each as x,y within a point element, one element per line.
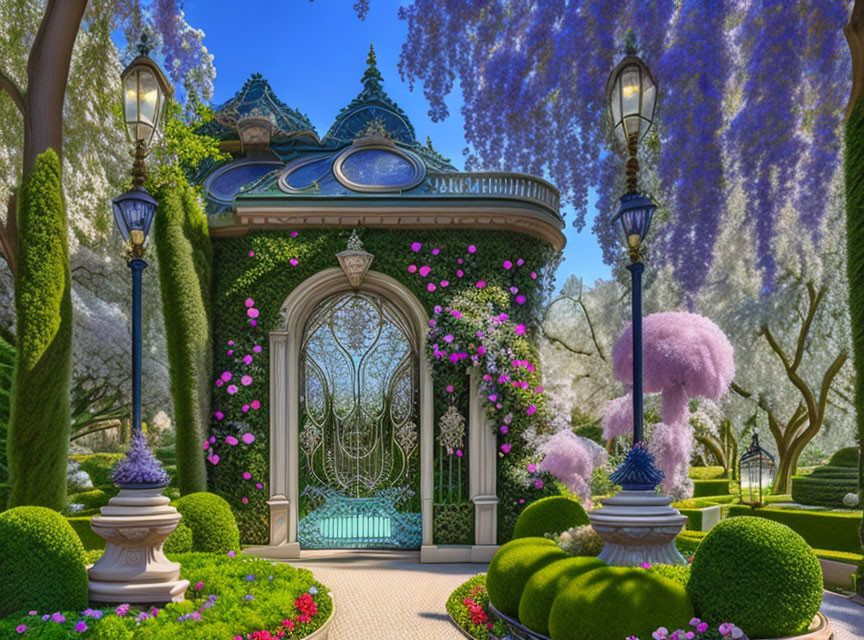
<point>257,348</point>
<point>520,299</point>
<point>507,264</point>
<point>416,246</point>
<point>445,283</point>
<point>506,447</point>
<point>213,459</point>
<point>519,329</point>
<point>231,440</point>
<point>253,323</point>
<point>244,500</point>
<point>449,338</point>
<point>250,302</point>
<point>247,359</point>
<point>293,262</point>
<point>472,249</point>
<point>256,404</point>
<point>252,313</point>
<point>206,445</point>
<point>504,428</point>
<point>245,408</point>
<point>219,382</point>
<point>258,485</point>
<point>424,270</point>
<point>246,380</point>
<point>230,352</point>
<point>531,468</point>
<point>520,262</point>
<point>431,287</point>
<point>251,254</point>
<point>449,388</point>
<point>412,268</point>
<point>459,273</point>
<point>481,350</point>
<point>481,284</point>
<point>538,483</point>
<point>294,234</point>
<point>514,290</point>
<point>533,276</point>
<point>232,389</point>
<point>218,415</point>
<point>531,410</point>
<point>247,475</point>
<point>226,376</point>
<point>247,438</point>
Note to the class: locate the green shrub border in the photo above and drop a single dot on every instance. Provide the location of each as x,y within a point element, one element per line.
<point>706,488</point>
<point>831,531</point>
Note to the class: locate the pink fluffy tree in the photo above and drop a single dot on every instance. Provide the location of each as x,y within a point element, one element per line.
<point>568,459</point>
<point>684,355</point>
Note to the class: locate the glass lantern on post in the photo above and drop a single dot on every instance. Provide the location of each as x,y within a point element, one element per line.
<point>755,472</point>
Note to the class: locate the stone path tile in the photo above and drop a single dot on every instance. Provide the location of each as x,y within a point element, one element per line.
<point>388,596</point>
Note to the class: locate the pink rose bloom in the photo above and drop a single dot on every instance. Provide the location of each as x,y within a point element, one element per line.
<point>252,313</point>
<point>258,485</point>
<point>247,359</point>
<point>531,467</point>
<point>226,376</point>
<point>520,299</point>
<point>218,415</point>
<point>436,251</point>
<point>293,262</point>
<point>412,268</point>
<point>199,586</point>
<point>257,348</point>
<point>231,440</point>
<point>449,338</point>
<point>503,317</point>
<point>250,302</point>
<point>230,343</point>
<point>437,308</point>
<point>514,289</point>
<point>253,323</point>
<point>206,445</point>
<point>247,475</point>
<point>459,273</point>
<point>246,380</point>
<point>416,246</point>
<point>424,270</point>
<point>481,350</point>
<point>454,358</point>
<point>520,262</point>
<point>506,447</point>
<point>449,388</point>
<point>445,283</point>
<point>493,397</point>
<point>219,382</point>
<point>213,459</point>
<point>458,453</point>
<point>521,500</point>
<point>247,438</point>
<point>231,554</point>
<point>531,410</point>
<point>244,500</point>
<point>256,404</point>
<point>230,352</point>
<point>232,389</point>
<point>431,287</point>
<point>538,483</point>
<point>21,628</point>
<point>294,234</point>
<point>533,276</point>
<point>481,284</point>
<point>251,254</point>
<point>507,264</point>
<point>212,439</point>
<point>472,249</point>
<point>245,408</point>
<point>519,329</point>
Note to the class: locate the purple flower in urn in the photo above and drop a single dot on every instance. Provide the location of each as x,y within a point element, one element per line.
<point>140,467</point>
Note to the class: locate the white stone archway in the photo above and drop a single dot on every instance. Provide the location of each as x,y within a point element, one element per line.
<point>285,344</point>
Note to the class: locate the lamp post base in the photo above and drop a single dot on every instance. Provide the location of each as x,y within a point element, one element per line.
<point>638,527</point>
<point>134,568</point>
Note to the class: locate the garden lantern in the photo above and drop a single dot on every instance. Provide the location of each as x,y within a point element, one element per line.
<point>755,472</point>
<point>637,525</point>
<point>145,90</point>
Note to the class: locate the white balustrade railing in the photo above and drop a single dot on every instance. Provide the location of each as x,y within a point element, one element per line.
<point>507,185</point>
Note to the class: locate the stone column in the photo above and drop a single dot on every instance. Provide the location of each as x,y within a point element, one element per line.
<point>482,463</point>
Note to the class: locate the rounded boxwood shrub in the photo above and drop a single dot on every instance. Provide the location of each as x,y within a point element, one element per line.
<point>41,561</point>
<point>845,457</point>
<point>759,574</point>
<point>93,499</point>
<point>208,516</point>
<point>512,567</point>
<point>617,602</point>
<point>544,586</point>
<point>180,540</point>
<point>549,515</point>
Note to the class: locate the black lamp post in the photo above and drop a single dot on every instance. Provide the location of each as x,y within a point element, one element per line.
<point>632,96</point>
<point>145,89</point>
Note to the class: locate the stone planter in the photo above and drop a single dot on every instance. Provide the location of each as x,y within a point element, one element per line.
<point>134,569</point>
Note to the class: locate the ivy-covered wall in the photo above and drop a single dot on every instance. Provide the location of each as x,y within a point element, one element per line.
<point>497,278</point>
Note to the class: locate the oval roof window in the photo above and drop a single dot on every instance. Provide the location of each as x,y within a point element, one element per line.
<point>226,182</point>
<point>378,169</point>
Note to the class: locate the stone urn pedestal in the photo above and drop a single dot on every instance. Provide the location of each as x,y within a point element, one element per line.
<point>637,527</point>
<point>134,569</point>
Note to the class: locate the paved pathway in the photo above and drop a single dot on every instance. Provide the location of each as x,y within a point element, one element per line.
<point>391,596</point>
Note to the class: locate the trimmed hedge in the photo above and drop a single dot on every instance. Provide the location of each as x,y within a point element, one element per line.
<point>183,247</point>
<point>821,530</point>
<point>704,488</point>
<point>40,414</point>
<point>760,574</point>
<point>180,541</point>
<point>549,515</point>
<point>98,466</point>
<point>93,499</point>
<point>618,602</point>
<point>512,567</point>
<point>846,457</point>
<point>7,368</point>
<point>83,528</point>
<point>706,473</point>
<point>209,517</point>
<point>41,562</point>
<point>545,585</point>
<point>826,486</point>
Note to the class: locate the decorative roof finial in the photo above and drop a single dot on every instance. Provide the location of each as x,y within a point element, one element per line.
<point>144,46</point>
<point>630,46</point>
<point>429,143</point>
<point>354,242</point>
<point>372,77</point>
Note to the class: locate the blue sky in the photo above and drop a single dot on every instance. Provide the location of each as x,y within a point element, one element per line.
<point>314,54</point>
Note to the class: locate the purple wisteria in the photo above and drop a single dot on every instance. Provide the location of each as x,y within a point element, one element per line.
<point>140,466</point>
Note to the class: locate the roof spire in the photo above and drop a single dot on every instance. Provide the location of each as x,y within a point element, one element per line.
<point>372,77</point>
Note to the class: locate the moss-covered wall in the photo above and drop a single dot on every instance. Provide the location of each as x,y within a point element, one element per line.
<point>254,273</point>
